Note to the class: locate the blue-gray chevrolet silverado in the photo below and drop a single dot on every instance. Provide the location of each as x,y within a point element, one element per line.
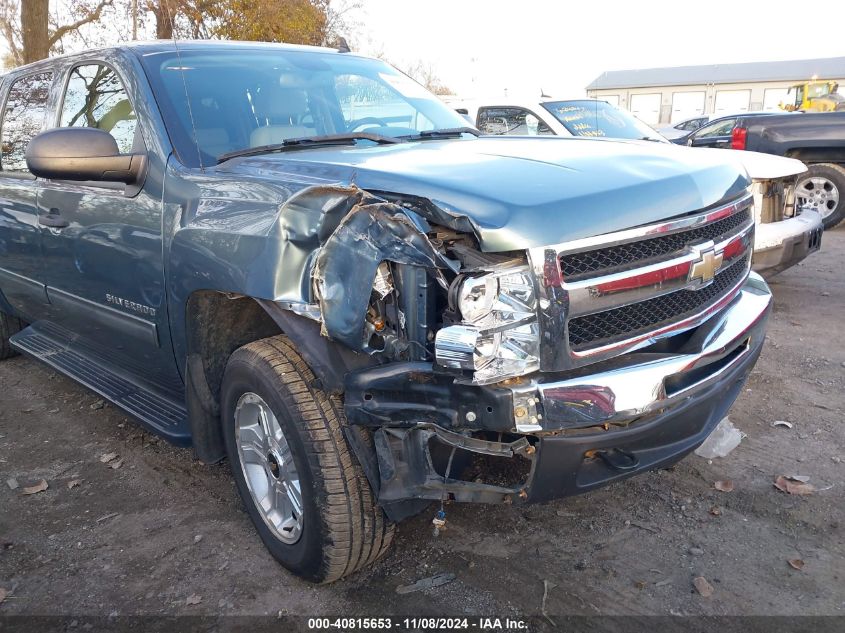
<point>301,260</point>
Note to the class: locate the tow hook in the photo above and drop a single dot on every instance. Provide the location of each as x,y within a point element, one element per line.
<point>617,459</point>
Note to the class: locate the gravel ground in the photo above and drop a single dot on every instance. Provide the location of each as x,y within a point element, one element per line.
<point>164,534</point>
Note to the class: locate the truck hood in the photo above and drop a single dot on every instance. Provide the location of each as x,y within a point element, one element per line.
<point>763,166</point>
<point>520,192</point>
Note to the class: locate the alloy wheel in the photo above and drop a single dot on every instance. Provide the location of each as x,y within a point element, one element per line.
<point>268,467</point>
<point>818,194</point>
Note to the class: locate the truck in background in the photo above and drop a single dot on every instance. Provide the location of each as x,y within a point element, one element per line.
<point>818,140</point>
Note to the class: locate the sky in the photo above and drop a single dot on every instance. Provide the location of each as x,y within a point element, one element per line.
<point>482,47</point>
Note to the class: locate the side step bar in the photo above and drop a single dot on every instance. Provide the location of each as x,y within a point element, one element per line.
<point>162,415</point>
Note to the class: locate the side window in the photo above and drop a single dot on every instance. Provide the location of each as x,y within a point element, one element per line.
<point>719,128</point>
<point>95,97</point>
<point>511,121</point>
<point>23,118</point>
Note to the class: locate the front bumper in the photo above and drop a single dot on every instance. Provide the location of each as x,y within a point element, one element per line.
<point>569,465</point>
<point>780,245</point>
<point>654,413</point>
<point>642,411</point>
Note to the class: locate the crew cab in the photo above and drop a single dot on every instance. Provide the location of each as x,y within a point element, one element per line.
<point>300,260</point>
<point>815,139</point>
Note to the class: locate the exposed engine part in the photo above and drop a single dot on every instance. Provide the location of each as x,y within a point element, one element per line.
<point>347,278</point>
<point>773,201</point>
<point>383,284</point>
<point>473,260</point>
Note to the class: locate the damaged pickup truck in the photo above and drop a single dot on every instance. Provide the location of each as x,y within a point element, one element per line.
<point>299,259</point>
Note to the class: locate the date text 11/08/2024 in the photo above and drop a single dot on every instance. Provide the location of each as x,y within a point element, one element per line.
<point>416,624</point>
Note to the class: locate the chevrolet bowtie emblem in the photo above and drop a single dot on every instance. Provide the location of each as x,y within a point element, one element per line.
<point>705,267</point>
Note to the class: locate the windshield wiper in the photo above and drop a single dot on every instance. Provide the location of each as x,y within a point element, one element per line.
<point>452,132</point>
<point>311,141</point>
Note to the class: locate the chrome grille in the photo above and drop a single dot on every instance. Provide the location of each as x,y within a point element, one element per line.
<point>576,266</point>
<point>653,314</point>
<point>603,296</point>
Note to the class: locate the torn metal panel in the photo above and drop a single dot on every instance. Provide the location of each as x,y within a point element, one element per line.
<point>305,222</point>
<point>408,472</point>
<point>346,265</point>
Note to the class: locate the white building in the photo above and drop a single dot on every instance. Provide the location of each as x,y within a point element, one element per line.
<point>667,95</point>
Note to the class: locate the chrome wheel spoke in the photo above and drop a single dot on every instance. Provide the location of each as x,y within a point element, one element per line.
<point>252,436</point>
<point>295,495</point>
<point>268,501</point>
<point>285,457</point>
<point>253,455</point>
<point>292,527</point>
<point>264,420</point>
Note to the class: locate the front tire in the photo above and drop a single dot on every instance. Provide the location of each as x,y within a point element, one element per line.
<point>822,189</point>
<point>303,489</point>
<point>9,326</point>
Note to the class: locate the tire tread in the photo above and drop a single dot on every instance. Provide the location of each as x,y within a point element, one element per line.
<point>358,533</point>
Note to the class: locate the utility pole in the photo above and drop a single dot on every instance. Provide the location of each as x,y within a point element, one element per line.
<point>134,20</point>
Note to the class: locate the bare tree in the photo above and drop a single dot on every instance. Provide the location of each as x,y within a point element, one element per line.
<point>187,19</point>
<point>425,74</point>
<point>11,30</point>
<point>28,32</point>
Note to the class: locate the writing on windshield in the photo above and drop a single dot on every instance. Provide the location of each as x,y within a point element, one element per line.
<point>598,119</point>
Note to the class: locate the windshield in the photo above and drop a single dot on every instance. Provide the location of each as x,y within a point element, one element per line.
<point>599,119</point>
<point>819,90</point>
<point>244,98</point>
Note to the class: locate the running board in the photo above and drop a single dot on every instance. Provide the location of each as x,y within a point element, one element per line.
<point>163,416</point>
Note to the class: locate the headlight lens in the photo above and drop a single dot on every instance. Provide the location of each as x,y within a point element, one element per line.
<point>476,297</point>
<point>499,336</point>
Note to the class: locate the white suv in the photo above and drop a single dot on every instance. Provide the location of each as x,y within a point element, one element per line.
<point>546,116</point>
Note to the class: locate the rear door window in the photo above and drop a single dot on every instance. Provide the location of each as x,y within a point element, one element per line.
<point>23,118</point>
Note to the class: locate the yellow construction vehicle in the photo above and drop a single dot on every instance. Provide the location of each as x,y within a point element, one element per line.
<point>815,96</point>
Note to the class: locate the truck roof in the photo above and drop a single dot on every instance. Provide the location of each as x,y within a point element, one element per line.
<point>150,47</point>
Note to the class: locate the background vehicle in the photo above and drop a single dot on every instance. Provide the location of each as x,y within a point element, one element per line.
<point>716,133</point>
<point>785,233</point>
<point>782,238</point>
<point>684,128</point>
<point>815,139</point>
<point>302,261</point>
<point>547,116</point>
<point>815,96</point>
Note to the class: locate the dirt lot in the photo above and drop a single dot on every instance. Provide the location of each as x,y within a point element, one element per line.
<point>143,538</point>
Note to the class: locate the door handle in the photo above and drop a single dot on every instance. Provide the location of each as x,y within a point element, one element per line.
<point>53,218</point>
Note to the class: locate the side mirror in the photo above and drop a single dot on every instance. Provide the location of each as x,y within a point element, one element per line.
<point>82,153</point>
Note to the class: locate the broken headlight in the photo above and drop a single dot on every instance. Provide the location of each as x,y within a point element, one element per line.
<point>498,336</point>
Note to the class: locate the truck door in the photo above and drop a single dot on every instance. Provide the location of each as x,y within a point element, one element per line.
<point>716,134</point>
<point>21,273</point>
<point>103,252</point>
